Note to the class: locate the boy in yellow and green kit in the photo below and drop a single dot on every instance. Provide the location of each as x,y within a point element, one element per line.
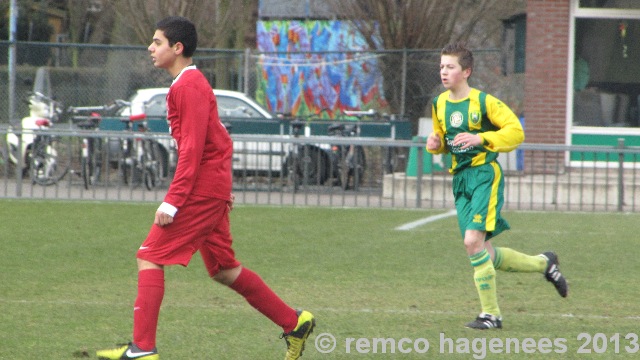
<point>474,127</point>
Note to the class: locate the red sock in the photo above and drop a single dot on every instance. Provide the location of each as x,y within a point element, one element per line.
<point>263,299</point>
<point>147,308</point>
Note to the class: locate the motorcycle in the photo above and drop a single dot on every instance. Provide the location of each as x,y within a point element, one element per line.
<point>40,118</point>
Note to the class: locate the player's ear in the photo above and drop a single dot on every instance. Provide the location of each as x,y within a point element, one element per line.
<point>179,48</point>
<point>467,73</point>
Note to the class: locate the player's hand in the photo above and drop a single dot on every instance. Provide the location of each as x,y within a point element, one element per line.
<point>162,219</point>
<point>433,142</point>
<point>467,140</point>
<point>232,198</point>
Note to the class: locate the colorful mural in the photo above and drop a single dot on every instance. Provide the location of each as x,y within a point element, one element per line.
<point>329,76</point>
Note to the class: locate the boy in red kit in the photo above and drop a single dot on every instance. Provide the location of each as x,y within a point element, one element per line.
<point>195,213</point>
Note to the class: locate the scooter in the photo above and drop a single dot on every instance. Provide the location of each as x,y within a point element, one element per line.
<point>43,111</point>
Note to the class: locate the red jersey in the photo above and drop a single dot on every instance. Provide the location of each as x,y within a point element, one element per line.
<point>204,146</point>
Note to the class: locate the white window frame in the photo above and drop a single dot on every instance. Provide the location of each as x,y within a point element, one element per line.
<point>577,12</point>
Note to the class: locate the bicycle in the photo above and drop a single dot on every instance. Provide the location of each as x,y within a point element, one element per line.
<point>305,164</point>
<point>91,151</point>
<point>348,160</point>
<point>294,167</point>
<point>142,159</point>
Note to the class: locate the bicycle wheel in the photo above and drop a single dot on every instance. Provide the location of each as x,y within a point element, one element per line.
<point>344,170</point>
<point>358,167</point>
<point>4,162</point>
<point>153,164</point>
<point>315,167</point>
<point>292,171</point>
<point>129,172</point>
<point>49,162</point>
<point>130,169</point>
<point>351,169</point>
<point>91,162</point>
<point>390,159</point>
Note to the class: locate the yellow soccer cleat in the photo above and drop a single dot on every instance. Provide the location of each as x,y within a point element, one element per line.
<point>129,351</point>
<point>296,338</point>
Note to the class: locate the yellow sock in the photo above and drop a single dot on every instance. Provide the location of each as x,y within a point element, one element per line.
<point>484,277</point>
<point>511,260</point>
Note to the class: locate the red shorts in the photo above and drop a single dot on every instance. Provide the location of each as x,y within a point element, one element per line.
<point>202,223</point>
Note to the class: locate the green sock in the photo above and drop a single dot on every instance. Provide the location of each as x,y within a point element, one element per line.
<point>511,260</point>
<point>484,277</point>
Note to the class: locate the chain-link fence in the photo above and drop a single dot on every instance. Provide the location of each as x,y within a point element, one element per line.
<point>399,82</point>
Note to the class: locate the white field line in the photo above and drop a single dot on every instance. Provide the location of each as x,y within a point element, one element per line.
<point>242,305</point>
<point>415,224</point>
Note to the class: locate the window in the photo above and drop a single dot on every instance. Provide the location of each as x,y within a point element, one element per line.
<point>514,33</point>
<point>606,64</point>
<point>612,4</point>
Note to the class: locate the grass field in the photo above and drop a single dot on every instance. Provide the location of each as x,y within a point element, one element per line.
<point>68,281</point>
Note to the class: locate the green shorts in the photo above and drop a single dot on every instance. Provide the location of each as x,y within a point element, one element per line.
<point>479,195</point>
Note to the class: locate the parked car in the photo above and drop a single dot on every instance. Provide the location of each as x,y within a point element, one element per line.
<point>231,104</point>
<point>238,112</point>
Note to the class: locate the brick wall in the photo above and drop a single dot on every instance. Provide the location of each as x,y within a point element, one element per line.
<point>546,71</point>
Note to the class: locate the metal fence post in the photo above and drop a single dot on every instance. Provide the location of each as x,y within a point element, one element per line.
<point>403,82</point>
<point>12,59</point>
<point>419,170</point>
<point>620,174</point>
<point>245,85</point>
<point>13,54</point>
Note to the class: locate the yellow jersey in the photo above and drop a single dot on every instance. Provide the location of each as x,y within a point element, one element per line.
<point>479,113</point>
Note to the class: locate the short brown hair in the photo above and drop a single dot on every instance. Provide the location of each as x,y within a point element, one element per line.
<point>459,49</point>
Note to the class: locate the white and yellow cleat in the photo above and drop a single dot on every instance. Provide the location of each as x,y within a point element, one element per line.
<point>129,351</point>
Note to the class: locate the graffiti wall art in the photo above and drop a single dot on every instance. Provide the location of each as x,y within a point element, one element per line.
<point>316,67</point>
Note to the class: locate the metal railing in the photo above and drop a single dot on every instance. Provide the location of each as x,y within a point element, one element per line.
<point>397,174</point>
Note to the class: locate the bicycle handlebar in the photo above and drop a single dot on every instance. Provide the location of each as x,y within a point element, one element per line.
<point>116,105</point>
<point>360,113</point>
<point>79,109</point>
<point>42,96</point>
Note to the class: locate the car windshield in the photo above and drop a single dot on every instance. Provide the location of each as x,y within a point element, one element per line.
<point>156,106</point>
<point>236,108</point>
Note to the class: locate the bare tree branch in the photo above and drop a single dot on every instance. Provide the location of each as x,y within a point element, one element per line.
<point>423,24</point>
<point>220,23</point>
